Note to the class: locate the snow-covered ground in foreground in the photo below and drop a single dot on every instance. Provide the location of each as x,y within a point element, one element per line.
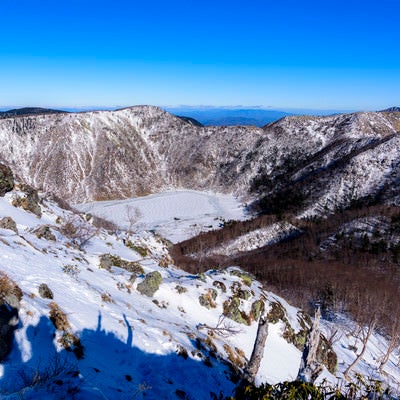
<point>134,346</point>
<point>175,215</point>
<point>161,345</point>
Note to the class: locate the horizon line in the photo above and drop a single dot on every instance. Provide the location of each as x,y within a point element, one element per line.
<point>180,106</point>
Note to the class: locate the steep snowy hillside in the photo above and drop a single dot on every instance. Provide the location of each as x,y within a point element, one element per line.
<point>328,162</point>
<point>106,155</point>
<point>103,155</point>
<point>107,315</point>
<point>102,314</point>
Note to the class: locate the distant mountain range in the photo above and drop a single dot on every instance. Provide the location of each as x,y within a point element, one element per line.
<point>233,116</point>
<point>200,115</point>
<point>208,116</point>
<point>215,116</point>
<point>28,111</point>
<point>392,109</point>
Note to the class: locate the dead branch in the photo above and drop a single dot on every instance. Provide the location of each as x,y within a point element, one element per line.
<point>223,328</point>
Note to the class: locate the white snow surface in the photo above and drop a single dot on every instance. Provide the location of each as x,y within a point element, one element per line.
<point>176,215</point>
<point>258,238</point>
<point>136,346</point>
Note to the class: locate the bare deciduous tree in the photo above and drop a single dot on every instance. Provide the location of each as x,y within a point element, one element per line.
<point>393,341</point>
<point>78,230</point>
<point>364,335</point>
<point>333,335</point>
<point>133,215</point>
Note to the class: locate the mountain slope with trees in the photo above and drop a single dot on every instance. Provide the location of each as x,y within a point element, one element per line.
<point>331,161</point>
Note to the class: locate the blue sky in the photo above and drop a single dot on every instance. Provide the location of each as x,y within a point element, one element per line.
<point>280,54</point>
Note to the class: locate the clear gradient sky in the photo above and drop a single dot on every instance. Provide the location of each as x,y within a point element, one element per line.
<point>307,54</point>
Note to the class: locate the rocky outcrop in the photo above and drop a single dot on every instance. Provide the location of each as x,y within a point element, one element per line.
<point>109,260</point>
<point>29,201</point>
<point>10,297</point>
<point>150,284</point>
<point>6,179</point>
<point>44,232</point>
<point>8,223</point>
<point>207,299</point>
<point>45,292</point>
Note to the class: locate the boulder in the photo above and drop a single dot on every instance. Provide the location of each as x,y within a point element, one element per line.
<point>207,299</point>
<point>44,232</point>
<point>8,223</point>
<point>29,202</point>
<point>6,179</point>
<point>150,284</point>
<point>231,309</point>
<point>109,260</point>
<point>45,292</point>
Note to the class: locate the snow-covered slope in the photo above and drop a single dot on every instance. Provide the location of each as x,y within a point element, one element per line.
<point>257,238</point>
<point>330,161</point>
<point>163,345</point>
<point>119,336</point>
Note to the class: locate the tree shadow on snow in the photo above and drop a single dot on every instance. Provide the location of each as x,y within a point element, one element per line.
<point>110,368</point>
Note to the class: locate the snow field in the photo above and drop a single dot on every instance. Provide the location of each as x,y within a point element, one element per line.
<point>176,215</point>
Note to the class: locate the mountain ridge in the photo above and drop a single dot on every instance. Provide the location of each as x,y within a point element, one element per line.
<point>25,111</point>
<point>100,155</point>
<point>392,109</point>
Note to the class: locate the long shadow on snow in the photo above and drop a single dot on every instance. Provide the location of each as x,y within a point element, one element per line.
<point>117,369</point>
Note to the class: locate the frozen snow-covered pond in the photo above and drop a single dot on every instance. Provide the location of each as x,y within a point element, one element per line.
<point>176,215</point>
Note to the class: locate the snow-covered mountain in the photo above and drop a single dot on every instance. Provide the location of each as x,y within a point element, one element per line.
<point>97,311</point>
<point>105,155</point>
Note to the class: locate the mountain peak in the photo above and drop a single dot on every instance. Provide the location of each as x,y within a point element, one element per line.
<point>391,109</point>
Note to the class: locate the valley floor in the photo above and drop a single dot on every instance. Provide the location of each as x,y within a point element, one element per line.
<point>176,215</point>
